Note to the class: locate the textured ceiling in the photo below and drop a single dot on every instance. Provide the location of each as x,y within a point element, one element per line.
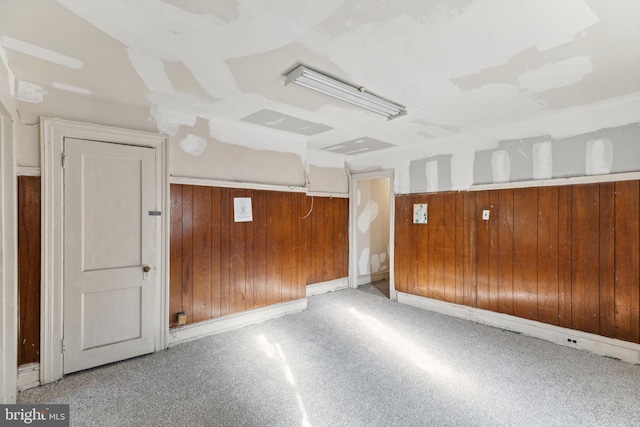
<point>460,66</point>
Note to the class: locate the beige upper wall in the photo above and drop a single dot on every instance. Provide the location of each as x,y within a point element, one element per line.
<point>193,152</point>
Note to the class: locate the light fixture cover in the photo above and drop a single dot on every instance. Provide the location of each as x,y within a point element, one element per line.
<point>314,80</point>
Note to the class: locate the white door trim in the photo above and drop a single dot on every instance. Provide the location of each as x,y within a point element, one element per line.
<point>52,135</point>
<point>8,263</point>
<point>353,213</point>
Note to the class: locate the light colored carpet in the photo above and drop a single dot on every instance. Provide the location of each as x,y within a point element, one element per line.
<point>356,359</point>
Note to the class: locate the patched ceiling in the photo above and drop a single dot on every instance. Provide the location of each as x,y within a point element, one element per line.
<point>459,66</point>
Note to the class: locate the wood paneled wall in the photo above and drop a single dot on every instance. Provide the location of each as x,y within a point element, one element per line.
<point>219,267</point>
<point>29,269</point>
<point>566,256</point>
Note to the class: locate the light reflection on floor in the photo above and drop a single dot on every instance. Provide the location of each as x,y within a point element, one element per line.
<point>274,351</point>
<point>403,346</point>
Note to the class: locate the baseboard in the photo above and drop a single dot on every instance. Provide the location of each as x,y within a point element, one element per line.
<point>372,277</point>
<point>28,376</point>
<point>603,346</point>
<point>234,321</point>
<point>330,286</point>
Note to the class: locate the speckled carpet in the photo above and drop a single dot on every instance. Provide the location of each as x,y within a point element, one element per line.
<point>355,359</point>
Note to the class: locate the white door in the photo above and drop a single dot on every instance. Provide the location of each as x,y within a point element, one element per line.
<point>109,243</point>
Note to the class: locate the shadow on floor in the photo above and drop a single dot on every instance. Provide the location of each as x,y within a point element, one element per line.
<point>380,288</point>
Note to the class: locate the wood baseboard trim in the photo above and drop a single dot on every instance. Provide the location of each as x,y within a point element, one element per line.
<point>28,376</point>
<point>330,286</point>
<point>234,321</point>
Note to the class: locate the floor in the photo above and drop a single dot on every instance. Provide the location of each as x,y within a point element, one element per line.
<point>380,288</point>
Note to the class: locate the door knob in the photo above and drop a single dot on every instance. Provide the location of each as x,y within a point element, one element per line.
<point>146,268</point>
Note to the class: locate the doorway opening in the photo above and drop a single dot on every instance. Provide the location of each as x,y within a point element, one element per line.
<point>371,243</point>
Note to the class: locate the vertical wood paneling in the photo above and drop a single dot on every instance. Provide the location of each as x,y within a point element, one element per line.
<point>300,250</point>
<point>525,248</point>
<point>274,255</point>
<point>567,255</point>
<point>402,233</point>
<point>328,246</point>
<point>494,251</point>
<point>201,253</point>
<point>585,254</point>
<point>216,251</point>
<point>286,275</point>
<point>260,249</point>
<point>250,257</point>
<point>226,219</point>
<point>470,251</point>
<point>175,254</point>
<point>449,247</point>
<point>460,248</point>
<point>29,272</point>
<point>564,256</point>
<point>505,255</point>
<point>187,252</point>
<point>219,267</point>
<point>423,249</point>
<point>237,274</point>
<point>607,259</point>
<point>548,297</point>
<point>626,261</point>
<point>482,247</point>
<point>436,246</point>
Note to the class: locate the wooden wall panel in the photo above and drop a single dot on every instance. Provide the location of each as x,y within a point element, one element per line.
<point>505,251</point>
<point>585,256</point>
<point>219,266</point>
<point>607,259</point>
<point>626,261</point>
<point>547,255</point>
<point>469,250</point>
<point>564,256</point>
<point>422,246</point>
<point>450,247</point>
<point>482,252</point>
<point>460,237</point>
<point>525,253</point>
<point>29,273</point>
<point>567,255</point>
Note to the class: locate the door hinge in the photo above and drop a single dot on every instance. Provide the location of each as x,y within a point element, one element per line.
<point>64,160</point>
<point>63,346</point>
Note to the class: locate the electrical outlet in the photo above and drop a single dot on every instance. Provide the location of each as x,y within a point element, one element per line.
<point>485,215</point>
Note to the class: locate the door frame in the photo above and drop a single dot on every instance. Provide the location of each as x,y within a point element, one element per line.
<point>353,221</point>
<point>52,135</point>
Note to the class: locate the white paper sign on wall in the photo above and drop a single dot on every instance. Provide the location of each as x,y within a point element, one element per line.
<point>420,213</point>
<point>242,211</point>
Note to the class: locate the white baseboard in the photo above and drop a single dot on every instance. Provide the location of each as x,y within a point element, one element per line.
<point>363,279</point>
<point>330,286</point>
<point>28,376</point>
<point>603,346</point>
<point>234,321</point>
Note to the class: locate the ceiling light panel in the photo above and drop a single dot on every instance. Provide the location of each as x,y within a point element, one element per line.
<point>318,82</point>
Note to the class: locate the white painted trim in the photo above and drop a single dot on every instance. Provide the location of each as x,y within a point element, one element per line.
<point>363,279</point>
<point>27,171</point>
<point>330,286</point>
<point>603,346</point>
<point>52,135</point>
<point>573,180</point>
<point>234,321</point>
<point>353,205</point>
<point>234,184</point>
<point>8,263</point>
<point>28,376</point>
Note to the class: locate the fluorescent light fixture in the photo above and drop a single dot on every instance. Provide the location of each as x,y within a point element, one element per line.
<point>314,80</point>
